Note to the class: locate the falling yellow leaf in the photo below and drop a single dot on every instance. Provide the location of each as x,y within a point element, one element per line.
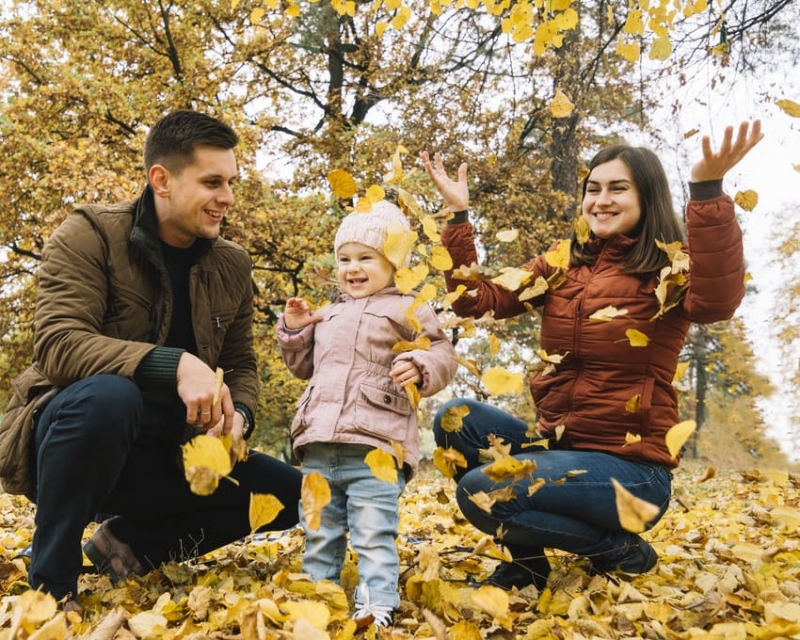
<point>494,345</point>
<point>538,288</point>
<point>446,461</point>
<point>454,295</point>
<point>412,391</point>
<point>512,278</point>
<point>582,230</point>
<point>789,107</point>
<point>264,508</point>
<point>407,279</point>
<point>452,418</point>
<point>430,229</point>
<point>500,381</point>
<point>205,461</point>
<point>680,370</point>
<point>342,183</point>
<point>678,435</point>
<point>534,486</point>
<point>399,242</point>
<point>632,438</point>
<point>634,513</point>
<point>747,200</point>
<point>508,466</point>
<point>469,365</point>
<point>400,453</point>
<point>710,473</point>
<point>396,174</point>
<point>632,405</point>
<point>315,495</point>
<point>690,133</point>
<point>507,235</point>
<point>562,106</point>
<point>637,338</point>
<point>422,342</point>
<point>483,501</point>
<point>560,432</point>
<point>382,464</point>
<point>440,259</point>
<point>559,257</point>
<point>607,314</point>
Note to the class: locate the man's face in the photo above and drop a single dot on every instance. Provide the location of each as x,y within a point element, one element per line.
<point>192,203</point>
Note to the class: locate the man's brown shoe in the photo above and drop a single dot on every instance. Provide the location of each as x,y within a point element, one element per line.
<point>111,556</point>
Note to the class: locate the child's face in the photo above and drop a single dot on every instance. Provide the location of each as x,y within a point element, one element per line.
<point>362,271</point>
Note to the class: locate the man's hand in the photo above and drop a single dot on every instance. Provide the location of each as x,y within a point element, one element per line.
<point>196,387</point>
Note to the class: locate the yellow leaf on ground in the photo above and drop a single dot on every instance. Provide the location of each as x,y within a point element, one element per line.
<point>634,513</point>
<point>315,495</point>
<point>494,602</point>
<point>264,508</point>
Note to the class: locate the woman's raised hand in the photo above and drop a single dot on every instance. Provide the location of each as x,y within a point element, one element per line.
<point>454,192</point>
<point>715,164</point>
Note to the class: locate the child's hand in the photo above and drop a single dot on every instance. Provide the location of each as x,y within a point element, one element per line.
<point>297,314</point>
<point>404,372</point>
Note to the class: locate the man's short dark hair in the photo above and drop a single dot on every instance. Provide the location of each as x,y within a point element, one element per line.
<point>173,139</point>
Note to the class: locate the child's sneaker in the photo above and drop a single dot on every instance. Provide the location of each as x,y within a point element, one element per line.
<point>368,613</point>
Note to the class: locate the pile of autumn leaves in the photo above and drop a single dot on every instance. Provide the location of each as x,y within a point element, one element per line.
<point>729,550</point>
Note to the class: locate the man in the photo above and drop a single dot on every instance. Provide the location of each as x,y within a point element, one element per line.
<point>138,304</point>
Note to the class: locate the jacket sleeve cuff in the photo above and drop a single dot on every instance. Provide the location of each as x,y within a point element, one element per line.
<point>249,422</point>
<point>705,190</point>
<point>459,217</point>
<point>158,368</point>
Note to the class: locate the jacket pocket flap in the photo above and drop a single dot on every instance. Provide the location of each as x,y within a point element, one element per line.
<point>386,399</point>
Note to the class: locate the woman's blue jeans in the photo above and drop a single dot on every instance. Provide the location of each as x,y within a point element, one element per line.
<point>365,506</point>
<point>91,457</point>
<point>575,510</point>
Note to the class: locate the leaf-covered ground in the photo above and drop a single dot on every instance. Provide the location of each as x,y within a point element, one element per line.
<point>729,568</point>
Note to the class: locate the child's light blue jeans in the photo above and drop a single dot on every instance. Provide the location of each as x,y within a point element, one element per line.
<point>361,504</point>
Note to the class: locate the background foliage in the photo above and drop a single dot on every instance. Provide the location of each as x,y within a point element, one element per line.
<point>315,88</point>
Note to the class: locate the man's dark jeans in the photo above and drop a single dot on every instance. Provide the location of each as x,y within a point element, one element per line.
<point>91,457</point>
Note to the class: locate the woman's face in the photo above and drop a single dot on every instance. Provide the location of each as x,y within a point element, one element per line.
<point>611,203</point>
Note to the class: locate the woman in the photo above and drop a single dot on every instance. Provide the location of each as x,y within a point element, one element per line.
<point>607,402</point>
